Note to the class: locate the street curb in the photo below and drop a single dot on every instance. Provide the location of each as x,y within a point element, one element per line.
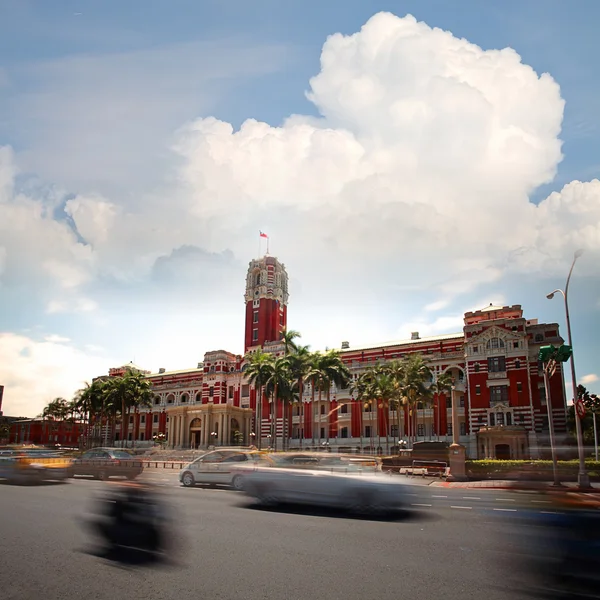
<point>519,488</point>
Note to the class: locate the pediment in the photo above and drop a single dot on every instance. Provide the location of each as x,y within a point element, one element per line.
<point>495,332</point>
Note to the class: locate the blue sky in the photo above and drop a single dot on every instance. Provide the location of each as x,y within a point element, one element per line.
<point>129,216</point>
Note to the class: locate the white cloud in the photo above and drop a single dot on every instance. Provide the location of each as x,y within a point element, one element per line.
<point>591,378</point>
<point>35,372</point>
<point>409,194</point>
<point>56,339</point>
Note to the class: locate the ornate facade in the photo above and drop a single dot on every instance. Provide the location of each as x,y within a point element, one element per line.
<point>501,397</point>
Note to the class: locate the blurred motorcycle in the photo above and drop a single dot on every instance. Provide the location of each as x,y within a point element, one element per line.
<point>131,517</point>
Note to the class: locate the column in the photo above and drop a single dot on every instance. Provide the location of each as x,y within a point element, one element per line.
<point>221,429</point>
<point>182,440</point>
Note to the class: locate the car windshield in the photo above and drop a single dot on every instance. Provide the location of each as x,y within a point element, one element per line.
<point>120,454</point>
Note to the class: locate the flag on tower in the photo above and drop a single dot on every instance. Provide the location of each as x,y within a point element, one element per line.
<point>263,235</point>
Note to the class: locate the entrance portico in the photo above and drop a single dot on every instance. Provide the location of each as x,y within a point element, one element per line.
<point>208,425</point>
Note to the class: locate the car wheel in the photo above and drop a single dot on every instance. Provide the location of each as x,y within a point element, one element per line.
<point>364,503</point>
<point>101,475</point>
<point>238,483</point>
<point>188,479</point>
<point>267,495</point>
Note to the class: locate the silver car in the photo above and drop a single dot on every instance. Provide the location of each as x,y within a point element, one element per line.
<point>218,467</point>
<point>352,488</point>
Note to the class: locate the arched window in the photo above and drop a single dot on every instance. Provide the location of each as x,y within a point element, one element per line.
<point>170,399</point>
<point>184,398</point>
<point>199,397</point>
<point>494,343</point>
<point>156,400</point>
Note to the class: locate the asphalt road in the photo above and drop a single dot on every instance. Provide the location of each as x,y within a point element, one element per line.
<point>227,548</point>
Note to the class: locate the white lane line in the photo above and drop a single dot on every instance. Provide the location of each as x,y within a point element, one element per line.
<point>506,509</point>
<point>504,499</point>
<point>463,507</point>
<point>551,512</point>
<point>541,501</point>
<point>434,496</point>
<point>471,498</point>
<point>428,505</point>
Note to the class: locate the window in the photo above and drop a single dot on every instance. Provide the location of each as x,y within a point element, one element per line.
<point>420,430</point>
<point>500,418</point>
<point>322,432</point>
<point>539,337</point>
<point>496,364</point>
<point>475,349</point>
<point>495,343</point>
<point>131,420</point>
<point>476,368</point>
<point>255,335</point>
<point>170,399</point>
<point>230,391</point>
<point>199,397</point>
<point>156,400</point>
<point>322,409</point>
<point>480,419</point>
<point>478,390</point>
<point>344,409</point>
<point>255,317</point>
<point>211,391</point>
<point>142,419</point>
<point>142,436</point>
<point>449,402</point>
<point>394,431</point>
<point>368,431</point>
<point>498,393</point>
<point>542,396</point>
<point>517,364</point>
<point>155,418</point>
<point>461,402</point>
<point>508,419</point>
<point>519,386</point>
<point>492,419</point>
<point>449,429</point>
<point>522,419</point>
<point>515,345</point>
<point>344,432</point>
<point>463,428</point>
<point>184,398</point>
<point>245,391</point>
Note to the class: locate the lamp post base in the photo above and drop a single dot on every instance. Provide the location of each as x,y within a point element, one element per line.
<point>583,481</point>
<point>458,470</point>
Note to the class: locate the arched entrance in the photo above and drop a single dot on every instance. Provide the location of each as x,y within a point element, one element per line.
<point>195,433</point>
<point>236,436</point>
<point>503,452</point>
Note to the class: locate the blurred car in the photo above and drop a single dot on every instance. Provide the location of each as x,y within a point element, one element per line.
<point>102,463</point>
<point>33,465</point>
<point>325,461</point>
<point>344,484</point>
<point>219,467</point>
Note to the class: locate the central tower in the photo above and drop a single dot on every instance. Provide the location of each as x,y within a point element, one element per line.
<point>266,301</point>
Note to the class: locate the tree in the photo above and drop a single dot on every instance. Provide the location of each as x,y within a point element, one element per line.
<point>336,373</point>
<point>89,401</point>
<point>258,372</point>
<point>441,386</point>
<point>279,376</point>
<point>299,362</point>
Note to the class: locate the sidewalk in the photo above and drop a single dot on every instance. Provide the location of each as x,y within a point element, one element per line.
<point>503,484</point>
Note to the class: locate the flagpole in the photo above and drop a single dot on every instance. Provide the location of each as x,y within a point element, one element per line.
<point>267,245</point>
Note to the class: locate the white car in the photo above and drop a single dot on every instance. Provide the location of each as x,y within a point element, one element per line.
<point>218,467</point>
<point>353,489</point>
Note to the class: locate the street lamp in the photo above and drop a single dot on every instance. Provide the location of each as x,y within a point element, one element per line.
<point>583,479</point>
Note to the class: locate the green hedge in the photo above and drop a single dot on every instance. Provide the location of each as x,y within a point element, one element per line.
<point>483,467</point>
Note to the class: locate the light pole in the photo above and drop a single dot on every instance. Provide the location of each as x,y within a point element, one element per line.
<point>583,479</point>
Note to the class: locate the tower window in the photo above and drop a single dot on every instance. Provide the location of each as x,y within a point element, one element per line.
<point>517,364</point>
<point>255,316</point>
<point>255,335</point>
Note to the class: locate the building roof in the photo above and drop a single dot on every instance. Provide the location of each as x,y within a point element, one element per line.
<point>490,308</point>
<point>178,372</point>
<point>409,342</point>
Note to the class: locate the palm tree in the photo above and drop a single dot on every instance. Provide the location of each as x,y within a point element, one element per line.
<point>363,388</point>
<point>383,388</point>
<point>279,376</point>
<point>258,371</point>
<point>316,377</point>
<point>89,401</point>
<point>288,338</point>
<point>334,372</point>
<point>442,385</point>
<point>412,388</point>
<point>299,362</point>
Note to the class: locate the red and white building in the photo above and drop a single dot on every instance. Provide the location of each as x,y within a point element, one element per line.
<point>499,383</point>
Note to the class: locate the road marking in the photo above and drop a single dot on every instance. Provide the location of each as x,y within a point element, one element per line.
<point>551,512</point>
<point>434,496</point>
<point>470,498</point>
<point>463,507</point>
<point>504,499</point>
<point>429,505</point>
<point>541,501</point>
<point>506,509</point>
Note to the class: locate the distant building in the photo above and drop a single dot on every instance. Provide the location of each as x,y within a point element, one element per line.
<point>499,383</point>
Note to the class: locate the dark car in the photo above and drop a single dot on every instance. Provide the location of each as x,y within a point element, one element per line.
<point>103,463</point>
